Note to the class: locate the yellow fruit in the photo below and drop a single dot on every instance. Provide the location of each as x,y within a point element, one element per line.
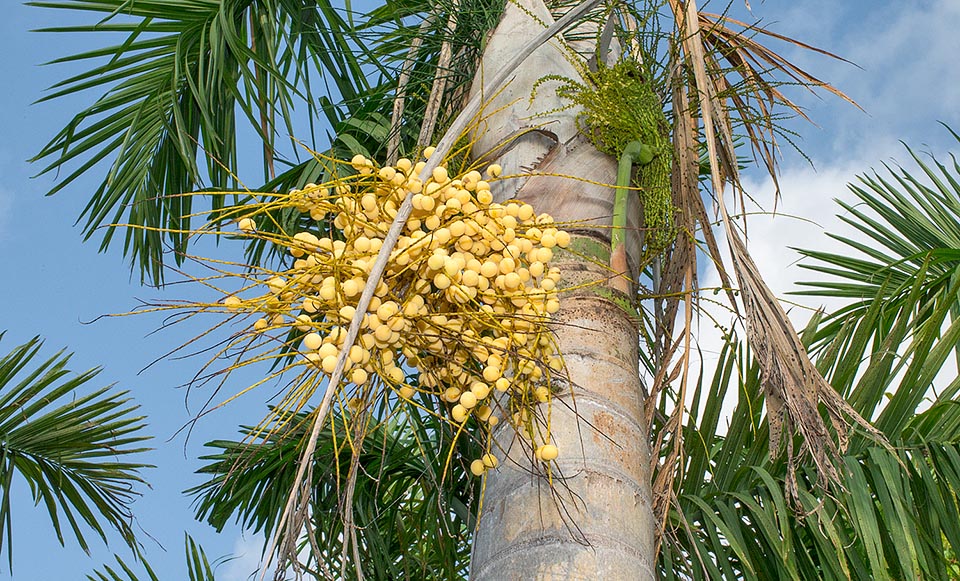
<point>477,467</point>
<point>451,268</point>
<point>305,323</point>
<point>490,461</point>
<point>491,373</point>
<point>426,153</point>
<point>451,394</point>
<point>548,452</point>
<point>261,324</point>
<point>358,376</point>
<point>494,170</point>
<point>458,413</point>
<point>312,341</point>
<point>436,260</point>
<point>406,392</point>
<point>480,390</point>
<point>357,354</point>
<point>470,278</point>
<point>351,288</point>
<point>327,350</point>
<point>232,302</point>
<point>395,375</point>
<point>489,269</point>
<point>347,312</point>
<point>502,384</point>
<point>313,358</point>
<point>247,224</point>
<point>468,400</point>
<point>387,310</point>
<point>328,364</point>
<point>382,333</point>
<point>441,281</point>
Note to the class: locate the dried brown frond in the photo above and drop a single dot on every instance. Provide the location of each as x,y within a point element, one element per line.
<point>793,386</point>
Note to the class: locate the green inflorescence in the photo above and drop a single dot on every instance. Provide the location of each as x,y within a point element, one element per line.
<point>619,106</point>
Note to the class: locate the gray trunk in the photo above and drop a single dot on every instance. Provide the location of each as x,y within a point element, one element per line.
<point>596,522</point>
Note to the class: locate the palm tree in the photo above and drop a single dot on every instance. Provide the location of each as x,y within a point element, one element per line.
<point>190,72</point>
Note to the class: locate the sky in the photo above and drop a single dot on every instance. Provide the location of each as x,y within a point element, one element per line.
<point>904,76</point>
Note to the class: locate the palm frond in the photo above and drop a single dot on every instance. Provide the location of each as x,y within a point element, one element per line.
<point>199,568</point>
<point>174,97</point>
<point>908,234</point>
<point>413,519</point>
<point>892,514</point>
<point>68,446</point>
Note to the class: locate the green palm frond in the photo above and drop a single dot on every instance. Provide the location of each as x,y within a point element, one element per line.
<point>908,228</point>
<point>69,447</point>
<point>894,512</point>
<point>893,515</point>
<point>411,521</point>
<point>199,568</point>
<point>175,95</point>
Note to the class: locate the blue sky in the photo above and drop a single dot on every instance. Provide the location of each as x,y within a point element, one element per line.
<point>906,81</point>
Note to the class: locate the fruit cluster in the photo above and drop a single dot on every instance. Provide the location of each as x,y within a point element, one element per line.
<point>465,299</point>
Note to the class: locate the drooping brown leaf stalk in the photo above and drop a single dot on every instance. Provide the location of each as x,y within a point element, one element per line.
<point>793,386</point>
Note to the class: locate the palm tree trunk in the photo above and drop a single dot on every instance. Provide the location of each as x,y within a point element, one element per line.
<point>595,522</point>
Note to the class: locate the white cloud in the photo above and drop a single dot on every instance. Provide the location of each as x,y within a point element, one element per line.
<point>805,214</point>
<point>245,564</point>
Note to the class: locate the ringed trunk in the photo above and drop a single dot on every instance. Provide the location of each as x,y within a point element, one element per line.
<point>595,521</point>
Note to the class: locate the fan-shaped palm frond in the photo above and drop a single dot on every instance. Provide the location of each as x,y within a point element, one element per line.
<point>69,447</point>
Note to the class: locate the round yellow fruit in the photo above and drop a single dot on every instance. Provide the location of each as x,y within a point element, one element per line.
<point>312,341</point>
<point>468,400</point>
<point>359,376</point>
<point>548,452</point>
<point>329,363</point>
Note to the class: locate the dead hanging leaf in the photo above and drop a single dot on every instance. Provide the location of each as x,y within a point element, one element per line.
<point>793,386</point>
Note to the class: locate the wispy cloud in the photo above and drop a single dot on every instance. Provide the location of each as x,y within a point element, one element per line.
<point>246,560</point>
